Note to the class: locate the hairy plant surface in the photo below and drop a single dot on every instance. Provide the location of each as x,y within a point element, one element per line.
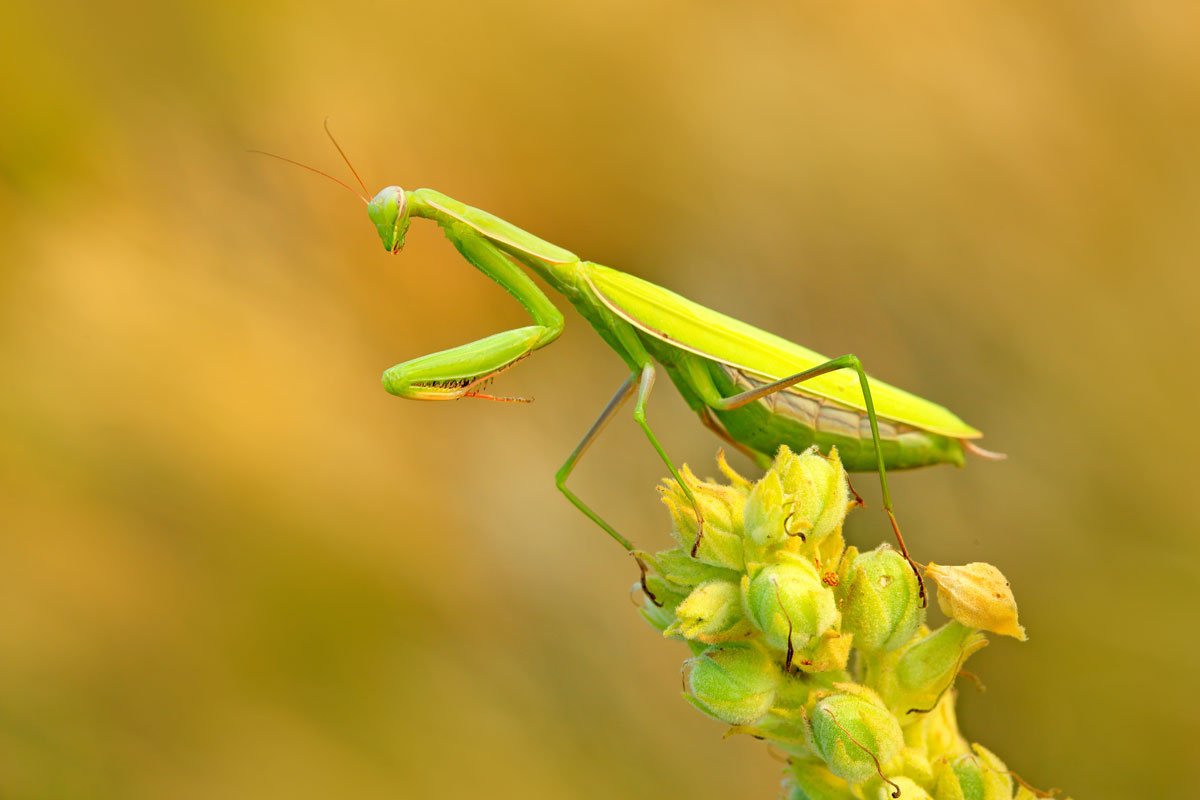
<point>819,649</point>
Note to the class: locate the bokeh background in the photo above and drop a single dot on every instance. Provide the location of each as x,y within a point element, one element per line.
<point>232,566</point>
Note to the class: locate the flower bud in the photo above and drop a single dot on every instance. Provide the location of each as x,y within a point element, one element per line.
<point>981,776</point>
<point>712,613</point>
<point>788,602</point>
<point>854,733</point>
<point>926,669</point>
<point>764,512</point>
<point>802,496</point>
<point>978,596</point>
<point>956,783</point>
<point>997,782</point>
<point>881,604</point>
<point>722,510</point>
<point>830,651</point>
<point>735,684</point>
<point>817,487</point>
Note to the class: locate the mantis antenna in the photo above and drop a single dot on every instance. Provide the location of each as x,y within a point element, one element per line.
<point>342,153</point>
<point>343,184</point>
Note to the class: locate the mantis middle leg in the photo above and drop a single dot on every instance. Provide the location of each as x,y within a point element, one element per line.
<point>641,382</point>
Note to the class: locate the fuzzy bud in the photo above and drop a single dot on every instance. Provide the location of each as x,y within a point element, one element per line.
<point>722,510</point>
<point>978,596</point>
<point>854,733</point>
<point>881,604</point>
<point>980,776</point>
<point>802,498</point>
<point>735,684</point>
<point>930,665</point>
<point>712,613</point>
<point>788,602</point>
<point>816,487</point>
<point>830,652</point>
<point>764,512</point>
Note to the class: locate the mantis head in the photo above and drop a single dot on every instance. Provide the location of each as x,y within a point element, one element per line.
<point>389,211</point>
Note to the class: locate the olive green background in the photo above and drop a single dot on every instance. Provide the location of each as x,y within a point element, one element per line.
<point>232,566</point>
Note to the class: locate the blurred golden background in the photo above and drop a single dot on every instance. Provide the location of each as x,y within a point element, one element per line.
<point>232,566</point>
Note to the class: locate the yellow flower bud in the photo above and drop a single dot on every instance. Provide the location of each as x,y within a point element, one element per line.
<point>997,783</point>
<point>712,613</point>
<point>981,776</point>
<point>721,508</point>
<point>816,486</point>
<point>978,596</point>
<point>830,652</point>
<point>802,498</point>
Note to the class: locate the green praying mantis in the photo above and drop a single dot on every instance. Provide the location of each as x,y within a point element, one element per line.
<point>755,390</point>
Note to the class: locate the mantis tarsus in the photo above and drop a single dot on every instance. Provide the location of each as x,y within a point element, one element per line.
<point>754,389</point>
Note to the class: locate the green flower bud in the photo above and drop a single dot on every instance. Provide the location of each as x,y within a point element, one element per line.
<point>997,782</point>
<point>881,601</point>
<point>973,777</point>
<point>948,786</point>
<point>927,668</point>
<point>788,602</point>
<point>722,510</point>
<point>854,733</point>
<point>712,613</point>
<point>735,684</point>
<point>811,780</point>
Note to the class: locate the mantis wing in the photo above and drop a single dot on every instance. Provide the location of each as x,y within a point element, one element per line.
<point>682,323</point>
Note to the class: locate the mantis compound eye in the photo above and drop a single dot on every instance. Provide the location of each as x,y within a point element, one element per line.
<point>388,210</point>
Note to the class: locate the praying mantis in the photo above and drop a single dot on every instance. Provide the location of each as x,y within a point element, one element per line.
<point>755,390</point>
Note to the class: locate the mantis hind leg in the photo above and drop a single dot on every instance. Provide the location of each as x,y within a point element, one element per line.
<point>850,362</point>
<point>644,379</point>
<point>564,472</point>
